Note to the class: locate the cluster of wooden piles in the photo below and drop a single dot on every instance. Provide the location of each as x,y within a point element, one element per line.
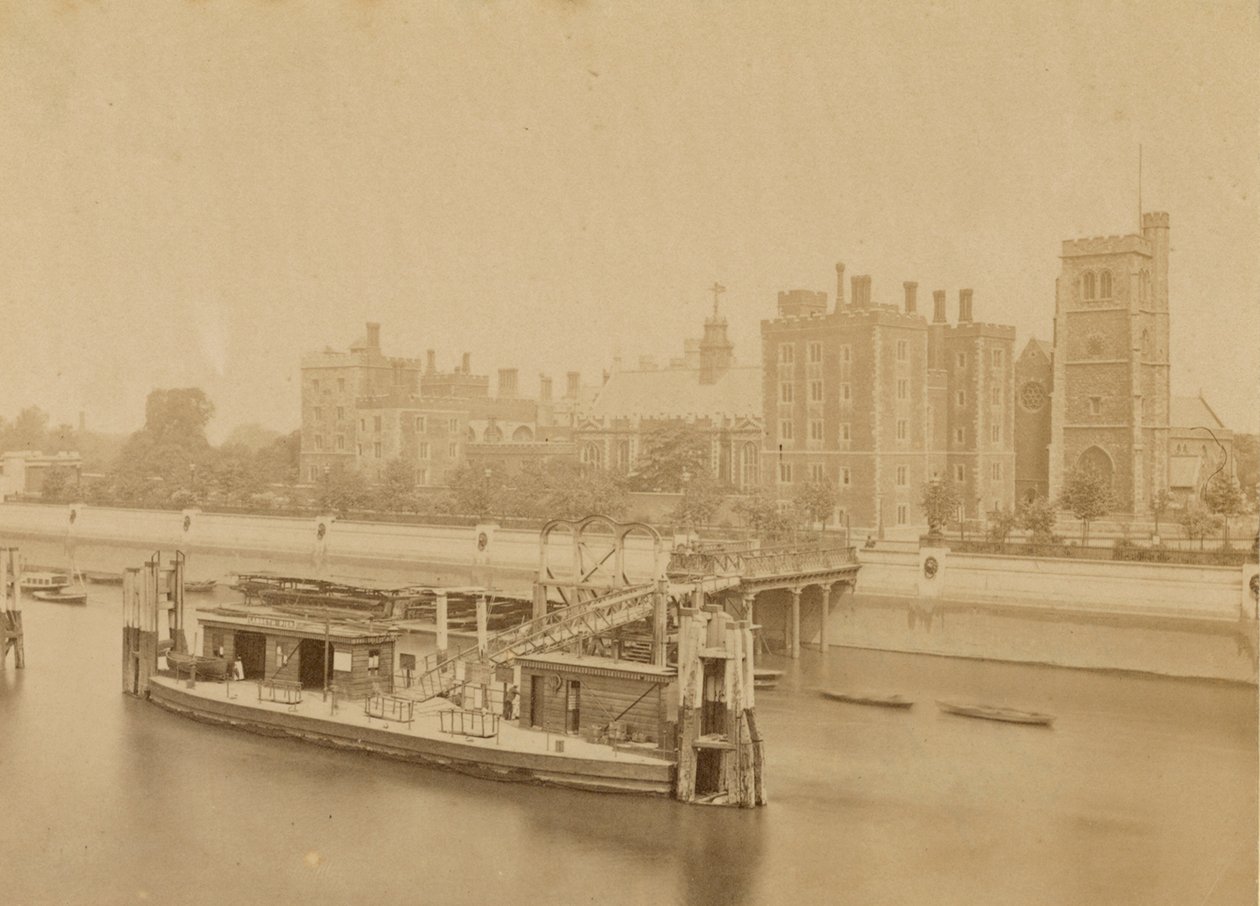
<point>11,616</point>
<point>721,756</point>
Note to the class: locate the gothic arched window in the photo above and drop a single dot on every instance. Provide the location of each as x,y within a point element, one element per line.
<point>1088,291</point>
<point>1104,285</point>
<point>592,454</point>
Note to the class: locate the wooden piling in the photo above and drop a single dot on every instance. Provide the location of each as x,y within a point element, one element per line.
<point>11,633</point>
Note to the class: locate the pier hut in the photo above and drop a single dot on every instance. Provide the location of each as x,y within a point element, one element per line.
<point>598,698</point>
<point>275,646</point>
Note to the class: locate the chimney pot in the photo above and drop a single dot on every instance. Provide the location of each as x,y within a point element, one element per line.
<point>964,306</point>
<point>912,304</point>
<point>839,285</point>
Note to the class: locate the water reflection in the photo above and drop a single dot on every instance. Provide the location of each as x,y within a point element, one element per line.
<point>1145,791</point>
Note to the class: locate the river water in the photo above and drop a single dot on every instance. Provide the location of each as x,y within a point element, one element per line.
<point>1145,791</point>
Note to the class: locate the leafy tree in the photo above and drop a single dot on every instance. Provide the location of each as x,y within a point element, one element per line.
<point>815,501</point>
<point>58,485</point>
<point>1247,463</point>
<point>277,463</point>
<point>1087,495</point>
<point>396,490</point>
<point>701,498</point>
<point>1223,496</point>
<point>576,491</point>
<point>1037,517</point>
<point>939,502</point>
<point>230,474</point>
<point>477,490</point>
<point>1002,522</point>
<point>1161,500</point>
<point>29,430</point>
<point>178,415</point>
<point>1198,521</point>
<point>342,489</point>
<point>761,513</point>
<point>252,436</point>
<point>669,455</point>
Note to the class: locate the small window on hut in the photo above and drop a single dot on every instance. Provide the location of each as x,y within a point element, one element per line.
<point>374,660</point>
<point>341,661</point>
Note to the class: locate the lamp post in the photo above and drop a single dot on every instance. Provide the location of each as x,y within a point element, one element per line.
<point>325,502</point>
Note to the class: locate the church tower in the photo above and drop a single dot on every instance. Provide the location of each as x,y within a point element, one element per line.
<point>1111,381</point>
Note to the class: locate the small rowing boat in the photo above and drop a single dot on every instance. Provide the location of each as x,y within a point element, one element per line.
<point>861,698</point>
<point>105,578</point>
<point>62,596</point>
<point>208,668</point>
<point>765,678</point>
<point>991,712</point>
<point>201,587</point>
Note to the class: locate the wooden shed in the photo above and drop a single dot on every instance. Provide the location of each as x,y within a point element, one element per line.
<point>563,693</point>
<point>273,645</point>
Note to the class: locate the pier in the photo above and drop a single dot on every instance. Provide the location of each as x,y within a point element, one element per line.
<point>626,674</point>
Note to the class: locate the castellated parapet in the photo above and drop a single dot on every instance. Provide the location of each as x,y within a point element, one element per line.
<point>1107,245</point>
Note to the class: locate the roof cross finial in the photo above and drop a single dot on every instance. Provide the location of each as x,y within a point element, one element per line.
<point>717,289</point>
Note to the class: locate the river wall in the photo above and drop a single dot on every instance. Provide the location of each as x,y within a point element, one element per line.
<point>1172,619</point>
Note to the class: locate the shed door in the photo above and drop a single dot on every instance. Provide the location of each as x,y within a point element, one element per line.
<point>537,689</point>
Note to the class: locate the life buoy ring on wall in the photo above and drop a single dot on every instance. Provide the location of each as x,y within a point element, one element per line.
<point>930,566</point>
<point>556,682</point>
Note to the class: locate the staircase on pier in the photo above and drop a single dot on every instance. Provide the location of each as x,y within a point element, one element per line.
<point>557,629</point>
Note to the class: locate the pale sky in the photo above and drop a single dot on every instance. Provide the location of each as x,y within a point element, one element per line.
<point>196,193</point>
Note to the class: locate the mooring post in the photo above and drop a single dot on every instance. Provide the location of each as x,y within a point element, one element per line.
<point>824,605</point>
<point>796,623</point>
<point>482,620</point>
<point>440,617</point>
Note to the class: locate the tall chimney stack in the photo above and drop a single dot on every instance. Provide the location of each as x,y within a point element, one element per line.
<point>912,304</point>
<point>839,285</point>
<point>465,363</point>
<point>373,335</point>
<point>507,383</point>
<point>938,307</point>
<point>544,388</point>
<point>861,286</point>
<point>430,360</point>
<point>573,385</point>
<point>964,306</point>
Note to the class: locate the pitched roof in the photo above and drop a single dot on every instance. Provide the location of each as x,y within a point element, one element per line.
<point>1038,345</point>
<point>1191,412</point>
<point>678,393</point>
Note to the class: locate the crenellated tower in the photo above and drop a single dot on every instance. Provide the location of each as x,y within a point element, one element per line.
<point>1111,373</point>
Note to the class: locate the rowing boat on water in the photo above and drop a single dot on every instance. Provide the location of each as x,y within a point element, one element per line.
<point>991,712</point>
<point>864,698</point>
<point>202,586</point>
<point>61,597</point>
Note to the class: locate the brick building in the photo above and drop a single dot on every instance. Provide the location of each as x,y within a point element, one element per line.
<point>706,389</point>
<point>878,400</point>
<point>361,409</point>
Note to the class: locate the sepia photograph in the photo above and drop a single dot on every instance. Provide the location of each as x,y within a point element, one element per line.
<point>577,452</point>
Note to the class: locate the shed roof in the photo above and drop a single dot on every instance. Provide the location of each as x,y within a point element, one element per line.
<point>678,393</point>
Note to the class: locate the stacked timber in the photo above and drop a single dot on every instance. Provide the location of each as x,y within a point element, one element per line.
<point>721,756</point>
